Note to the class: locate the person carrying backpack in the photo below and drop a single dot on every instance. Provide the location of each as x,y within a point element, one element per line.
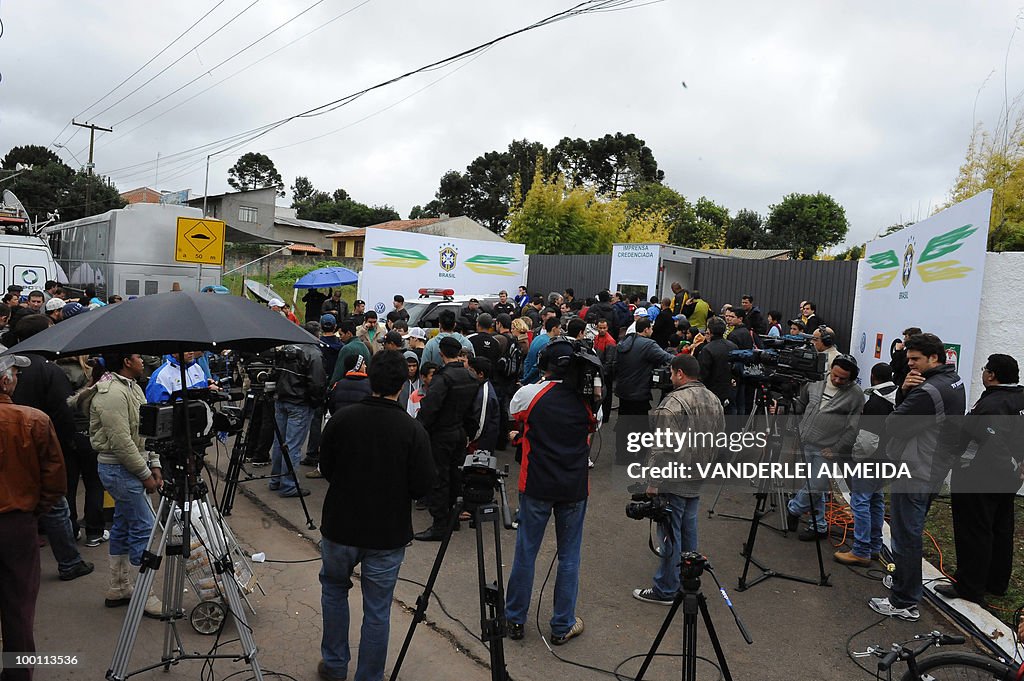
<point>506,373</point>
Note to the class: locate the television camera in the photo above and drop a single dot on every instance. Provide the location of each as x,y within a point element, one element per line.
<point>171,424</point>
<point>481,478</point>
<point>783,364</point>
<point>641,505</point>
<point>581,370</point>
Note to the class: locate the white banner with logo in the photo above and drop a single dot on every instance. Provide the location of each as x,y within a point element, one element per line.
<point>928,275</point>
<point>403,263</point>
<point>635,265</point>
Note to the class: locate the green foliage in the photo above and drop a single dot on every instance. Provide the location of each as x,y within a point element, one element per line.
<point>555,219</point>
<point>255,171</point>
<point>746,230</point>
<point>498,180</point>
<point>996,161</point>
<point>679,215</point>
<point>53,187</point>
<point>338,207</point>
<point>851,253</point>
<point>806,223</point>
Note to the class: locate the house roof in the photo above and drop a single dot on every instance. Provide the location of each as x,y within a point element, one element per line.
<point>305,248</point>
<point>311,224</point>
<point>751,253</point>
<point>396,225</point>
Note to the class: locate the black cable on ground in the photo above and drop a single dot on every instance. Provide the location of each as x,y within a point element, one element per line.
<point>849,640</point>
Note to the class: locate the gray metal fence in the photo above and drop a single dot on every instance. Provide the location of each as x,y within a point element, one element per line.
<point>780,285</point>
<point>585,274</point>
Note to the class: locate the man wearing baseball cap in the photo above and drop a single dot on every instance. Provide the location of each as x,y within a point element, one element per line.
<point>54,309</point>
<point>416,339</point>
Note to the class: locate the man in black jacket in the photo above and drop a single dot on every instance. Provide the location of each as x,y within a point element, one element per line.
<point>753,318</point>
<point>636,358</point>
<point>923,433</point>
<point>985,486</point>
<point>300,387</point>
<point>715,365</point>
<point>443,413</point>
<point>45,387</point>
<point>383,471</point>
<point>899,357</point>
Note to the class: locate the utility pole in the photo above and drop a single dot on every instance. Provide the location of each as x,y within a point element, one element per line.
<point>92,139</point>
<point>90,165</point>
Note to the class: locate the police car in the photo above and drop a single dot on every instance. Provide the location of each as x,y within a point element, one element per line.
<point>425,310</point>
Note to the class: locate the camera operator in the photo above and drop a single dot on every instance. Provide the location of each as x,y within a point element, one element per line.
<point>385,472</point>
<point>689,407</point>
<point>299,387</point>
<point>555,422</point>
<point>127,470</point>
<point>167,379</point>
<point>828,427</point>
<point>636,358</point>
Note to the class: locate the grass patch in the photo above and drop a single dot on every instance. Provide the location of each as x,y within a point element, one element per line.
<point>939,525</point>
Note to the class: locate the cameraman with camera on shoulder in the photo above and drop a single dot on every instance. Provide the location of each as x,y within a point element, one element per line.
<point>689,407</point>
<point>637,356</point>
<point>300,384</point>
<point>555,421</point>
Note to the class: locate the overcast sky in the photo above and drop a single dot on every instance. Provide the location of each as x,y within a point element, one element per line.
<point>872,103</point>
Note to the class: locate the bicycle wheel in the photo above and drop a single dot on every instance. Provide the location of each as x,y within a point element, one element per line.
<point>959,666</point>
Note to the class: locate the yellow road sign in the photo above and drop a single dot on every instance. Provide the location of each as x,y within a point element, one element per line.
<point>200,241</point>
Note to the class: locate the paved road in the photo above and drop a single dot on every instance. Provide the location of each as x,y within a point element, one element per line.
<point>799,631</point>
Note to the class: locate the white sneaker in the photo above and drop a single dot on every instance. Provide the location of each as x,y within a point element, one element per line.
<point>96,541</point>
<point>590,462</point>
<point>883,607</point>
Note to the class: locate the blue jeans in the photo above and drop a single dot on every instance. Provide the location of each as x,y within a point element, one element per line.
<point>57,524</point>
<point>533,520</point>
<point>133,513</point>
<point>801,501</point>
<point>868,505</point>
<point>683,537</point>
<point>293,421</point>
<point>377,582</point>
<point>906,523</point>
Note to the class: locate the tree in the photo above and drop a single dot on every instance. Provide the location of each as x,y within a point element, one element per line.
<point>712,222</point>
<point>255,171</point>
<point>30,155</point>
<point>806,223</point>
<point>678,214</point>
<point>556,219</point>
<point>613,164</point>
<point>746,230</point>
<point>302,190</point>
<point>851,253</point>
<point>53,187</point>
<point>996,161</point>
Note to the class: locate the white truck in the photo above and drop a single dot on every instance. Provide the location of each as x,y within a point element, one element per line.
<point>25,259</point>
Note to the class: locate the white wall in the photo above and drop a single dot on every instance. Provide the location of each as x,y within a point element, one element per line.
<point>1000,327</point>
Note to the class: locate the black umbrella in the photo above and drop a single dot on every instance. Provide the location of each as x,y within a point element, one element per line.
<point>168,322</point>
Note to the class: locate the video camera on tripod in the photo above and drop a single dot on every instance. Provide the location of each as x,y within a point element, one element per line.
<point>783,364</point>
<point>580,370</point>
<point>481,478</point>
<point>166,423</point>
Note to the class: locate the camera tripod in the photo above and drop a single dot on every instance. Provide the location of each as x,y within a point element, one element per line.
<point>185,495</point>
<point>492,594</point>
<point>256,397</point>
<point>691,567</point>
<point>773,453</point>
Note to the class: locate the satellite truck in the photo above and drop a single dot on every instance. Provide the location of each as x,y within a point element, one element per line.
<point>25,257</point>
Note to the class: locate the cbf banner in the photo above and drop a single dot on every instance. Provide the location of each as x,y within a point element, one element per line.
<point>403,263</point>
<point>928,275</point>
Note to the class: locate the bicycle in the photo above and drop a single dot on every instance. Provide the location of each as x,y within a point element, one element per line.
<point>941,666</point>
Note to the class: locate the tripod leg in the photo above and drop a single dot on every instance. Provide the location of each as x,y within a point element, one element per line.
<point>676,602</point>
<point>238,452</point>
<point>702,603</point>
<point>130,628</point>
<point>492,595</point>
<point>424,598</point>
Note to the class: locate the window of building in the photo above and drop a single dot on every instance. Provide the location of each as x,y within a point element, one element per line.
<point>152,288</point>
<point>357,249</point>
<point>248,214</point>
<point>131,287</point>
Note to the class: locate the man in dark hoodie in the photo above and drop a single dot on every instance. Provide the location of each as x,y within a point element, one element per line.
<point>984,487</point>
<point>636,358</point>
<point>923,433</point>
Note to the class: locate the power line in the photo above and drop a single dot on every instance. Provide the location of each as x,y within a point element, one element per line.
<point>136,72</point>
<point>580,9</point>
<point>244,68</point>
